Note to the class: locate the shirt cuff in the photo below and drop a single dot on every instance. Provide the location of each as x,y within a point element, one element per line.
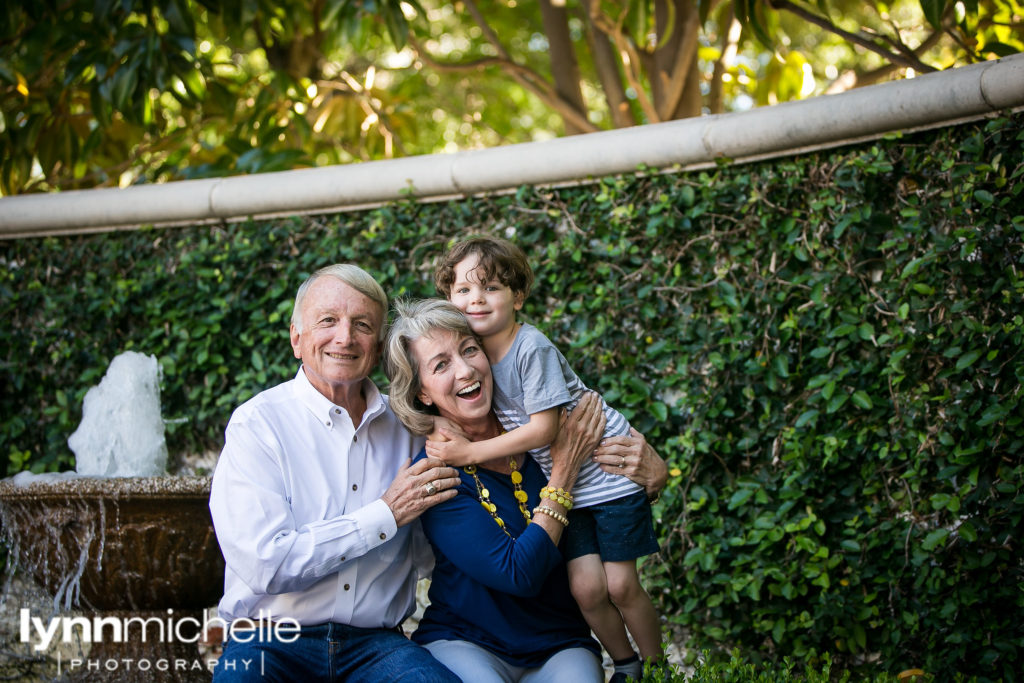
<point>378,523</point>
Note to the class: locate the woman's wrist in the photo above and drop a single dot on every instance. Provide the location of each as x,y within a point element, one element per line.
<point>557,485</point>
<point>558,496</point>
<point>551,512</point>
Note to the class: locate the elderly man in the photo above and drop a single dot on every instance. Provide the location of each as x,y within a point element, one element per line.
<point>316,507</point>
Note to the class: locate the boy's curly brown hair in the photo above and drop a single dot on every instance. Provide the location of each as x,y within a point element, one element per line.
<point>500,260</point>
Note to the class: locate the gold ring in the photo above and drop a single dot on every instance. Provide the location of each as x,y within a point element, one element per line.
<point>430,488</point>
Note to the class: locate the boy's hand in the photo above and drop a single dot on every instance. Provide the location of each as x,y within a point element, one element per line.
<point>454,449</point>
<point>443,423</point>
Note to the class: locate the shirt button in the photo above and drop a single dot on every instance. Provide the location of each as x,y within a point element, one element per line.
<point>346,586</point>
<point>356,438</point>
<point>342,558</point>
<point>355,487</point>
<point>383,536</point>
<point>337,411</point>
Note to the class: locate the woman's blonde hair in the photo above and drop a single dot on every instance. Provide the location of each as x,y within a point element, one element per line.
<point>413,320</point>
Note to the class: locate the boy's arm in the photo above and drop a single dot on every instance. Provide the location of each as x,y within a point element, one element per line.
<point>458,451</point>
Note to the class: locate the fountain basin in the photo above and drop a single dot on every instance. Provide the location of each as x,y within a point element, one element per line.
<point>131,543</point>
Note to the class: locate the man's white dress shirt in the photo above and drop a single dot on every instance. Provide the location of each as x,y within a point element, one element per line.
<point>297,510</point>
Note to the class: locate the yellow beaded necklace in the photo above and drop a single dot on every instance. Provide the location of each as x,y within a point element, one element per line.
<point>485,495</point>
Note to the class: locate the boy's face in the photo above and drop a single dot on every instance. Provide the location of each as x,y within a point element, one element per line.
<point>489,305</point>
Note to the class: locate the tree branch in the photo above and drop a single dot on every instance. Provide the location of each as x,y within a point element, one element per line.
<point>673,60</point>
<point>370,106</point>
<point>608,73</point>
<point>852,79</point>
<point>730,44</point>
<point>628,54</point>
<point>564,68</point>
<point>523,75</point>
<point>895,57</point>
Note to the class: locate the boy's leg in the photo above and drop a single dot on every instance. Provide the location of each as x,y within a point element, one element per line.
<point>635,606</point>
<point>625,532</point>
<point>589,588</point>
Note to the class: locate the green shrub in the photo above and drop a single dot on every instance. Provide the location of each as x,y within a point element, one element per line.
<point>827,349</point>
<point>738,669</point>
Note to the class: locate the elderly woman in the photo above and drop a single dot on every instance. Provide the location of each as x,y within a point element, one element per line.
<point>500,605</point>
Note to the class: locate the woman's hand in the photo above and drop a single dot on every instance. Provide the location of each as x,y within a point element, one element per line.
<point>632,457</point>
<point>420,486</point>
<point>578,435</point>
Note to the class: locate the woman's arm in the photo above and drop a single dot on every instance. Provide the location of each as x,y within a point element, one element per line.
<point>632,457</point>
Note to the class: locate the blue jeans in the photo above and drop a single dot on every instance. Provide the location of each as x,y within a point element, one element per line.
<point>331,652</point>
<point>475,664</point>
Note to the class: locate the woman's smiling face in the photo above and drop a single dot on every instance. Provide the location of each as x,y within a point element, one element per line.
<point>454,375</point>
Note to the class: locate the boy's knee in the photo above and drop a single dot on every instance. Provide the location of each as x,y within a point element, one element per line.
<point>589,592</point>
<point>624,590</point>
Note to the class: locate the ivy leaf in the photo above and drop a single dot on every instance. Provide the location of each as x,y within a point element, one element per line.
<point>740,497</point>
<point>861,399</point>
<point>984,196</point>
<point>934,538</point>
<point>805,418</point>
<point>967,359</point>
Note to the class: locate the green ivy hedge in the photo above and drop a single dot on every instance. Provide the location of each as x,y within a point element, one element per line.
<point>827,349</point>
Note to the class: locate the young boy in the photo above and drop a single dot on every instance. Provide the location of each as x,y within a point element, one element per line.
<point>610,521</point>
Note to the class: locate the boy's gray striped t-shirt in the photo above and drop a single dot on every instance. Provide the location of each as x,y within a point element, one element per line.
<point>534,376</point>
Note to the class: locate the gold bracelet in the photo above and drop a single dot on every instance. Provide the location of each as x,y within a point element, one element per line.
<point>559,495</point>
<point>554,514</point>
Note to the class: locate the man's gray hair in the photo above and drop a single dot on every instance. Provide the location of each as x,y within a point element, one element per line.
<point>353,276</point>
<point>413,320</point>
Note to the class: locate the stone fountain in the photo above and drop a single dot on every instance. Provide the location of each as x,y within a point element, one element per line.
<point>136,554</point>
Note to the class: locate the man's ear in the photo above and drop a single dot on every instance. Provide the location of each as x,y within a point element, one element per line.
<point>293,333</point>
<point>517,302</point>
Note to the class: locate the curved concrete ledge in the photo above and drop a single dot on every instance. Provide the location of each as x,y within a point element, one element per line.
<point>936,99</point>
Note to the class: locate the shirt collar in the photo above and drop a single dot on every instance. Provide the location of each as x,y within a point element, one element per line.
<point>326,412</point>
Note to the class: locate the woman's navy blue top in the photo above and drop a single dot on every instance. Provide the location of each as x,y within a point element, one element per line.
<point>509,595</point>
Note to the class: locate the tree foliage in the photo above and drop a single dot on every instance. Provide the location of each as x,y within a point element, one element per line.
<point>102,92</point>
<point>828,350</point>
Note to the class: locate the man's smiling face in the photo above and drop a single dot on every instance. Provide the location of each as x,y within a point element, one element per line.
<point>339,342</point>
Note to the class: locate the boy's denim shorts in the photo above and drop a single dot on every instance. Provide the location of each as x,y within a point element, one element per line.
<point>619,530</point>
